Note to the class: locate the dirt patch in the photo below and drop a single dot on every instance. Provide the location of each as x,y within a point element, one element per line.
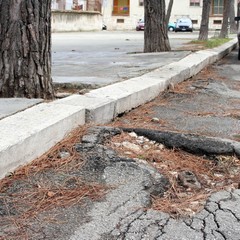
<point>220,172</point>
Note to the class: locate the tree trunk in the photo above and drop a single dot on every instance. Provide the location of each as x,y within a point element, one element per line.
<point>238,13</point>
<point>203,34</point>
<point>25,49</point>
<point>233,25</point>
<point>155,29</point>
<point>226,11</point>
<point>169,10</point>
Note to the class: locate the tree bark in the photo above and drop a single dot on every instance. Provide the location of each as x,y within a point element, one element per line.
<point>169,10</point>
<point>155,30</point>
<point>203,33</point>
<point>238,13</point>
<point>25,49</point>
<point>233,25</point>
<point>226,11</point>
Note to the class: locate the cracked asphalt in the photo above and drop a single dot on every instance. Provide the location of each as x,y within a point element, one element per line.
<point>125,212</point>
<point>204,108</point>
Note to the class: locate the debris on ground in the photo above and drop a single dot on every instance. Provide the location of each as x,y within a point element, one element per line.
<point>42,185</point>
<point>192,178</point>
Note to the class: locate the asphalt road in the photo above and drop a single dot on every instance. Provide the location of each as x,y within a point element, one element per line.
<point>101,58</point>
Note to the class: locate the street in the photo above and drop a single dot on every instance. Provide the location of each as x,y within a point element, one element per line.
<point>102,58</point>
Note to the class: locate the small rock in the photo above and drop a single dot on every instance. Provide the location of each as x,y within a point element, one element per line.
<point>83,91</point>
<point>142,139</point>
<point>62,95</point>
<point>155,119</point>
<point>195,203</point>
<point>188,180</point>
<point>146,147</point>
<point>190,211</point>
<point>131,146</point>
<point>50,194</point>
<point>218,175</point>
<point>64,154</point>
<point>9,174</point>
<point>160,146</point>
<point>133,134</point>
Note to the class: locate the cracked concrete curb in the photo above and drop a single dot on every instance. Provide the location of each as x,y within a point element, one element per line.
<point>30,133</point>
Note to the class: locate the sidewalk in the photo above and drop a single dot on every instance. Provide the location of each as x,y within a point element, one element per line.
<point>47,123</point>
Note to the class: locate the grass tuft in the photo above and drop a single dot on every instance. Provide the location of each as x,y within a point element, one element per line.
<point>212,42</point>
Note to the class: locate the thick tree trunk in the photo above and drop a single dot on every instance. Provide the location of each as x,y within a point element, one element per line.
<point>233,25</point>
<point>226,11</point>
<point>25,48</point>
<point>238,13</point>
<point>155,32</point>
<point>169,10</point>
<point>203,34</point>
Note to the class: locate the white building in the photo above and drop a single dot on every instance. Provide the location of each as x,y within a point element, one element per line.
<point>124,14</point>
<point>62,5</point>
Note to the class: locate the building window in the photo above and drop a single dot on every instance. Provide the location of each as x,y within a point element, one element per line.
<point>194,21</point>
<point>217,7</point>
<point>120,20</point>
<point>195,3</point>
<point>217,22</point>
<point>141,3</point>
<point>121,7</point>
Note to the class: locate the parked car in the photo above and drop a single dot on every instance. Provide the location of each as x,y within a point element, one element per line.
<point>140,26</point>
<point>171,27</point>
<point>184,25</point>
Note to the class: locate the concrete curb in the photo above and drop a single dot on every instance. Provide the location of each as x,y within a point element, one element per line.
<point>30,133</point>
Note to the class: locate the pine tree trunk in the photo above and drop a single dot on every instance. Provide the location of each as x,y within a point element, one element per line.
<point>25,49</point>
<point>203,34</point>
<point>169,10</point>
<point>233,25</point>
<point>238,14</point>
<point>155,30</point>
<point>226,11</point>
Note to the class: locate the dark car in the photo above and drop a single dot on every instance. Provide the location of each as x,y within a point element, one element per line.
<point>140,26</point>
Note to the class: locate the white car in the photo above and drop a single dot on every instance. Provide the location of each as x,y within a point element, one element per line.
<point>184,25</point>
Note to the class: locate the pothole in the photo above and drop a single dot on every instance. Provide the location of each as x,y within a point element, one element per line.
<point>193,178</point>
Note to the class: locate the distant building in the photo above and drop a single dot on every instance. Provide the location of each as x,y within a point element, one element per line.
<point>123,14</point>
<point>79,5</point>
